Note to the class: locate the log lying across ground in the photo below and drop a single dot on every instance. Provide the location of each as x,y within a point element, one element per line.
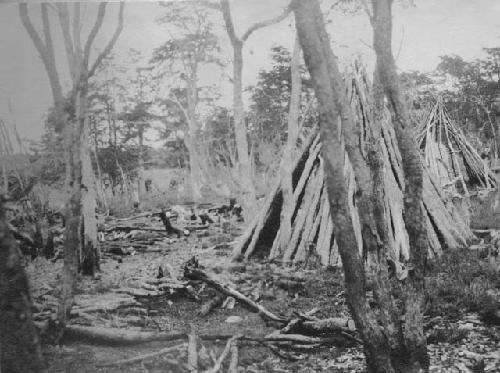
<point>312,229</point>
<point>115,337</point>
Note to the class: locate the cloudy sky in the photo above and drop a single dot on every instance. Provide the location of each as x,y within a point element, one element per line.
<point>421,34</point>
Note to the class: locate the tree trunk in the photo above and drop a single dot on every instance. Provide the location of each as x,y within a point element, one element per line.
<point>287,160</point>
<point>386,348</point>
<point>90,255</point>
<point>81,249</point>
<point>313,39</point>
<point>414,215</point>
<point>240,131</point>
<point>19,342</point>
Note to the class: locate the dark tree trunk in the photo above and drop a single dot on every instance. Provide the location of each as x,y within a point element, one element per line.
<point>332,103</point>
<point>19,343</point>
<point>414,215</point>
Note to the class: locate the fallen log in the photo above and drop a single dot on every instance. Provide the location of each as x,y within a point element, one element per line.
<point>118,337</point>
<point>142,215</point>
<point>129,228</point>
<point>325,326</point>
<point>299,339</point>
<point>114,336</point>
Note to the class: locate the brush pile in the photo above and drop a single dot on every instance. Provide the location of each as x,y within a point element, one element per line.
<point>454,162</point>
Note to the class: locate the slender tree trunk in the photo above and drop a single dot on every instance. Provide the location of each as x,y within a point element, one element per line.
<point>81,250</point>
<point>192,143</point>
<point>240,131</point>
<point>414,215</point>
<point>19,343</point>
<point>140,173</point>
<point>90,255</point>
<point>287,160</point>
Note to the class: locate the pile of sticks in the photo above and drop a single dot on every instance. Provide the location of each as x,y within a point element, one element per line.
<point>448,154</point>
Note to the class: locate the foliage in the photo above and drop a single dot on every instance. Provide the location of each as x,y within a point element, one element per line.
<point>474,97</point>
<point>220,136</point>
<point>268,112</point>
<point>177,63</point>
<point>192,44</point>
<point>271,98</point>
<point>118,162</point>
<point>47,155</point>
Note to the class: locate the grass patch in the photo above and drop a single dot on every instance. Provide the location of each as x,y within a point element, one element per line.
<point>461,282</point>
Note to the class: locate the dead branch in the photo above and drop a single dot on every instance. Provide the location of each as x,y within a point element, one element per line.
<point>199,275</point>
<point>223,355</point>
<point>192,351</point>
<point>111,43</point>
<point>233,363</point>
<point>266,23</point>
<point>213,303</point>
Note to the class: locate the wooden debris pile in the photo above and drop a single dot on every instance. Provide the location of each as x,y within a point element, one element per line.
<point>312,229</point>
<point>449,155</point>
<point>140,297</point>
<point>303,331</point>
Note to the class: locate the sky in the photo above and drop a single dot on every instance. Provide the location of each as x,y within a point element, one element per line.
<point>422,33</point>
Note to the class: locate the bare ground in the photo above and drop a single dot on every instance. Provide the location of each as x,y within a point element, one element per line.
<point>475,343</point>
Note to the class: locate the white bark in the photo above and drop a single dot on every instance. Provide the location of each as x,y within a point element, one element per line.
<point>244,161</point>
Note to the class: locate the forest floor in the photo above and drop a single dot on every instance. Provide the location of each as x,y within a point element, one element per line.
<point>461,343</point>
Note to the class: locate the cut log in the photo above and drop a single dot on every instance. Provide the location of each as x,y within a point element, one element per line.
<point>326,326</point>
<point>114,336</point>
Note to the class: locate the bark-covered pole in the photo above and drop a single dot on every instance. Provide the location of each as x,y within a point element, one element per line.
<point>288,153</point>
<point>19,342</point>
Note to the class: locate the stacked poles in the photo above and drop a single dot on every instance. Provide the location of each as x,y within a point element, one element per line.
<point>312,227</point>
<point>449,155</point>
